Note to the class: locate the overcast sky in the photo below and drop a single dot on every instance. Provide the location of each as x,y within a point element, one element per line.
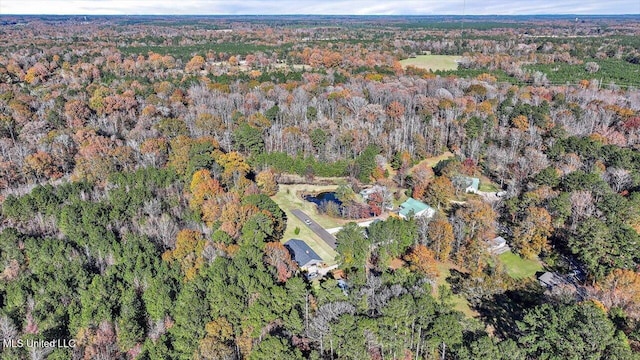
<point>356,7</point>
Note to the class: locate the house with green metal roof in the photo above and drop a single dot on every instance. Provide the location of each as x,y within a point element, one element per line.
<point>474,186</point>
<point>415,208</point>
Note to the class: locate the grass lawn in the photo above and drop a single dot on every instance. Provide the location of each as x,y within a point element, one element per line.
<point>459,302</point>
<point>432,62</point>
<point>488,187</point>
<point>288,200</point>
<point>433,161</point>
<point>519,268</point>
<point>318,245</point>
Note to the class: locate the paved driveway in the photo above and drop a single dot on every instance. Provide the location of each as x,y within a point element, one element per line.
<point>315,227</point>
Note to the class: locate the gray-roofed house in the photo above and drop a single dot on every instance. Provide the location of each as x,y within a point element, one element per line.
<point>303,255</point>
<point>376,188</point>
<point>555,283</point>
<point>550,280</point>
<point>498,246</point>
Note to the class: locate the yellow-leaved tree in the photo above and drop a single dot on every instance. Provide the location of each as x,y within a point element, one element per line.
<point>188,252</point>
<point>440,235</point>
<point>203,187</point>
<point>266,181</point>
<point>530,236</point>
<point>195,64</point>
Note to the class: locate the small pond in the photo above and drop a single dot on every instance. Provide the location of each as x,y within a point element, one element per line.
<point>322,198</point>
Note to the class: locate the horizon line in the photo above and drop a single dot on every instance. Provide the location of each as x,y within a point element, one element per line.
<point>312,14</point>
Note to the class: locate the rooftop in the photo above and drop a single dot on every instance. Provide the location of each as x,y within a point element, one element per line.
<point>498,241</point>
<point>302,253</point>
<point>412,205</point>
<point>550,279</point>
<point>375,188</point>
<point>475,183</point>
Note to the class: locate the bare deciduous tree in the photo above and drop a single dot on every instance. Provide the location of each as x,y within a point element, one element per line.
<point>618,178</point>
<point>582,206</point>
<point>8,330</point>
<point>591,67</point>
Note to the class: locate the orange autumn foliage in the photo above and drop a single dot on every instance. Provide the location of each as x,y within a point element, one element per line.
<point>440,234</point>
<point>203,187</point>
<point>279,257</point>
<point>195,64</point>
<point>422,260</point>
<point>42,165</point>
<point>621,288</point>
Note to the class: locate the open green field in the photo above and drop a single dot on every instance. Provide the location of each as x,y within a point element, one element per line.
<point>459,302</point>
<point>288,200</point>
<point>517,267</point>
<point>432,62</point>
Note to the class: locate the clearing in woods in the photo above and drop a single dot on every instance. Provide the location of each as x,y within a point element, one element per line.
<point>519,268</point>
<point>288,199</point>
<point>459,302</point>
<point>433,161</point>
<point>432,62</point>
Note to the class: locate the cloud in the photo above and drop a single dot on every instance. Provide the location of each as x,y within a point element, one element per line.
<point>329,7</point>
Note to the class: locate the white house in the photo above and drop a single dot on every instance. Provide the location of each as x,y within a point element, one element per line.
<point>474,187</point>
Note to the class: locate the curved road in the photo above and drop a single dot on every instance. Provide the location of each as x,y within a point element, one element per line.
<point>315,227</point>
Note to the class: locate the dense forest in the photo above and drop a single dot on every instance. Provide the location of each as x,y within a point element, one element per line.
<point>143,163</point>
